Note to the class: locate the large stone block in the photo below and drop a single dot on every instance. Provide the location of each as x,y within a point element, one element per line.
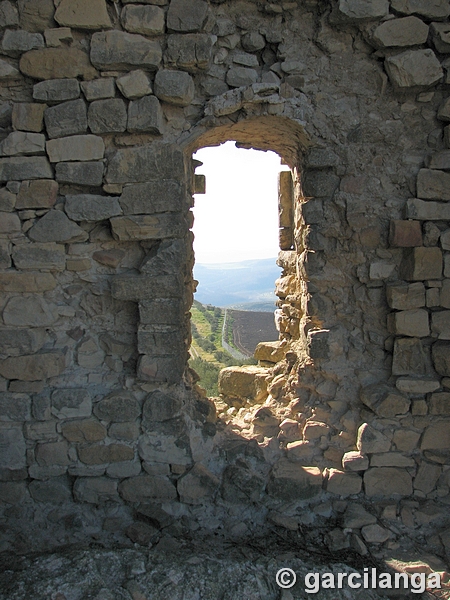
<point>410,358</point>
<point>343,484</point>
<point>26,282</point>
<point>28,116</point>
<point>120,50</point>
<point>146,227</point>
<point>405,296</point>
<point>434,9</point>
<point>81,173</point>
<point>361,10</point>
<point>440,404</point>
<point>197,486</point>
<point>292,482</point>
<point>36,15</point>
<point>440,324</point>
<point>134,85</point>
<point>14,342</point>
<point>436,436</point>
<point>168,259</point>
<point>76,148</point>
<point>53,491</point>
<point>405,234</point>
<point>40,193</point>
<point>20,168</point>
<point>387,481</point>
<point>98,454</point>
<point>147,488</point>
<point>371,440</point>
<point>145,114</point>
<point>166,341</point>
<point>241,76</point>
<point>9,224</point>
<point>98,89</point>
<point>95,490</point>
<point>8,72</point>
<point>86,430</point>
<point>54,226</point>
<point>22,142</point>
<point>145,287</point>
<point>56,90</point>
<point>120,407</point>
<point>187,15</point>
<point>154,161</point>
<point>107,116</point>
<point>421,264</point>
<point>161,369</point>
<point>427,211</point>
<point>15,407</point>
<point>385,402</point>
<point>161,311</point>
<point>240,483</point>
<point>159,407</point>
<point>174,87</point>
<point>71,403</point>
<point>190,52</point>
<point>148,20</point>
<point>440,37</point>
<point>47,256</point>
<point>414,68</point>
<point>153,197</point>
<point>414,322</point>
<point>83,14</point>
<point>440,352</point>
<point>433,184</point>
<point>408,31</point>
<point>52,454</point>
<point>244,382</point>
<point>7,200</point>
<point>13,446</point>
<point>36,367</point>
<point>68,118</point>
<point>89,207</point>
<point>57,63</point>
<point>9,15</point>
<point>16,42</point>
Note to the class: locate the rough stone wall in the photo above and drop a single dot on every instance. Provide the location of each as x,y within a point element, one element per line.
<point>345,423</point>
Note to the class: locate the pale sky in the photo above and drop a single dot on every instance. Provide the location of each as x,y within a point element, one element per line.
<point>237,218</point>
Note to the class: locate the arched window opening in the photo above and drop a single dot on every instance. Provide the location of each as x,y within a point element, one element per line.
<point>238,228</point>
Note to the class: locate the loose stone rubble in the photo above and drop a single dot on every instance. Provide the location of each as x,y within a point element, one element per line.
<point>343,426</point>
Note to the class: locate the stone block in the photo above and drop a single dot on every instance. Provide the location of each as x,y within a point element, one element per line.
<point>444,115</point>
<point>8,72</point>
<point>343,484</point>
<point>406,440</point>
<point>56,90</point>
<point>152,197</point>
<point>53,491</point>
<point>15,342</point>
<point>427,477</point>
<point>146,115</point>
<point>5,255</point>
<point>54,226</point>
<point>134,85</point>
<point>55,38</point>
<point>444,296</point>
<point>136,165</point>
<point>417,386</point>
<point>244,382</point>
<point>145,287</point>
<point>440,37</point>
<point>392,459</point>
<point>355,461</point>
<point>252,41</point>
<point>407,31</point>
<point>159,407</point>
<point>107,116</point>
<point>356,516</point>
<point>13,492</point>
<point>20,168</point>
<point>387,481</point>
<point>421,264</point>
<point>68,118</point>
<point>437,9</point>
<point>361,10</point>
<point>119,407</point>
<point>174,87</point>
<point>95,490</point>
<point>15,407</point>
<point>41,193</point>
<point>119,50</point>
<point>436,436</point>
<point>13,446</point>
<point>427,211</point>
<point>29,311</point>
<point>197,486</point>
<point>143,227</point>
<point>440,160</point>
<point>414,69</point>
<point>16,42</point>
<point>414,322</point>
<point>410,358</point>
<point>320,185</point>
<point>89,207</point>
<point>26,282</point>
<point>28,116</point>
<point>241,76</point>
<point>440,404</point>
<point>187,15</point>
<point>270,351</point>
<point>138,18</point>
<point>83,14</point>
<point>440,324</point>
<point>44,430</point>
<point>161,311</point>
<point>190,52</point>
<point>9,15</point>
<point>22,142</point>
<point>110,258</point>
<point>384,401</point>
<point>57,63</point>
<point>124,431</point>
<point>75,148</point>
<point>52,454</point>
<point>433,184</point>
<point>405,234</point>
<point>164,342</point>
<point>445,239</point>
<point>7,200</point>
<point>46,256</point>
<point>98,89</point>
<point>9,224</point>
<point>371,440</point>
<point>99,454</point>
<point>161,369</point>
<point>35,367</point>
<point>81,173</point>
<point>406,296</point>
<point>241,484</point>
<point>147,488</point>
<point>290,481</point>
<point>440,352</point>
<point>71,403</point>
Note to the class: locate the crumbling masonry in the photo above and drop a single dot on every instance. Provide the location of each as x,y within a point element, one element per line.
<point>104,432</point>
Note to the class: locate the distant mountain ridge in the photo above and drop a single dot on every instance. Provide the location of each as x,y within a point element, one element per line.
<point>239,284</point>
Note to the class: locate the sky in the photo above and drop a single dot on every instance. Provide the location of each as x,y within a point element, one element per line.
<point>237,218</point>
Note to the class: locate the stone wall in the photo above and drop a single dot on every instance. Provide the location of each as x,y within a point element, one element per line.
<point>344,425</point>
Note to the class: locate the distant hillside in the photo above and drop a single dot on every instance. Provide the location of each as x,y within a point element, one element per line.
<point>238,284</point>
